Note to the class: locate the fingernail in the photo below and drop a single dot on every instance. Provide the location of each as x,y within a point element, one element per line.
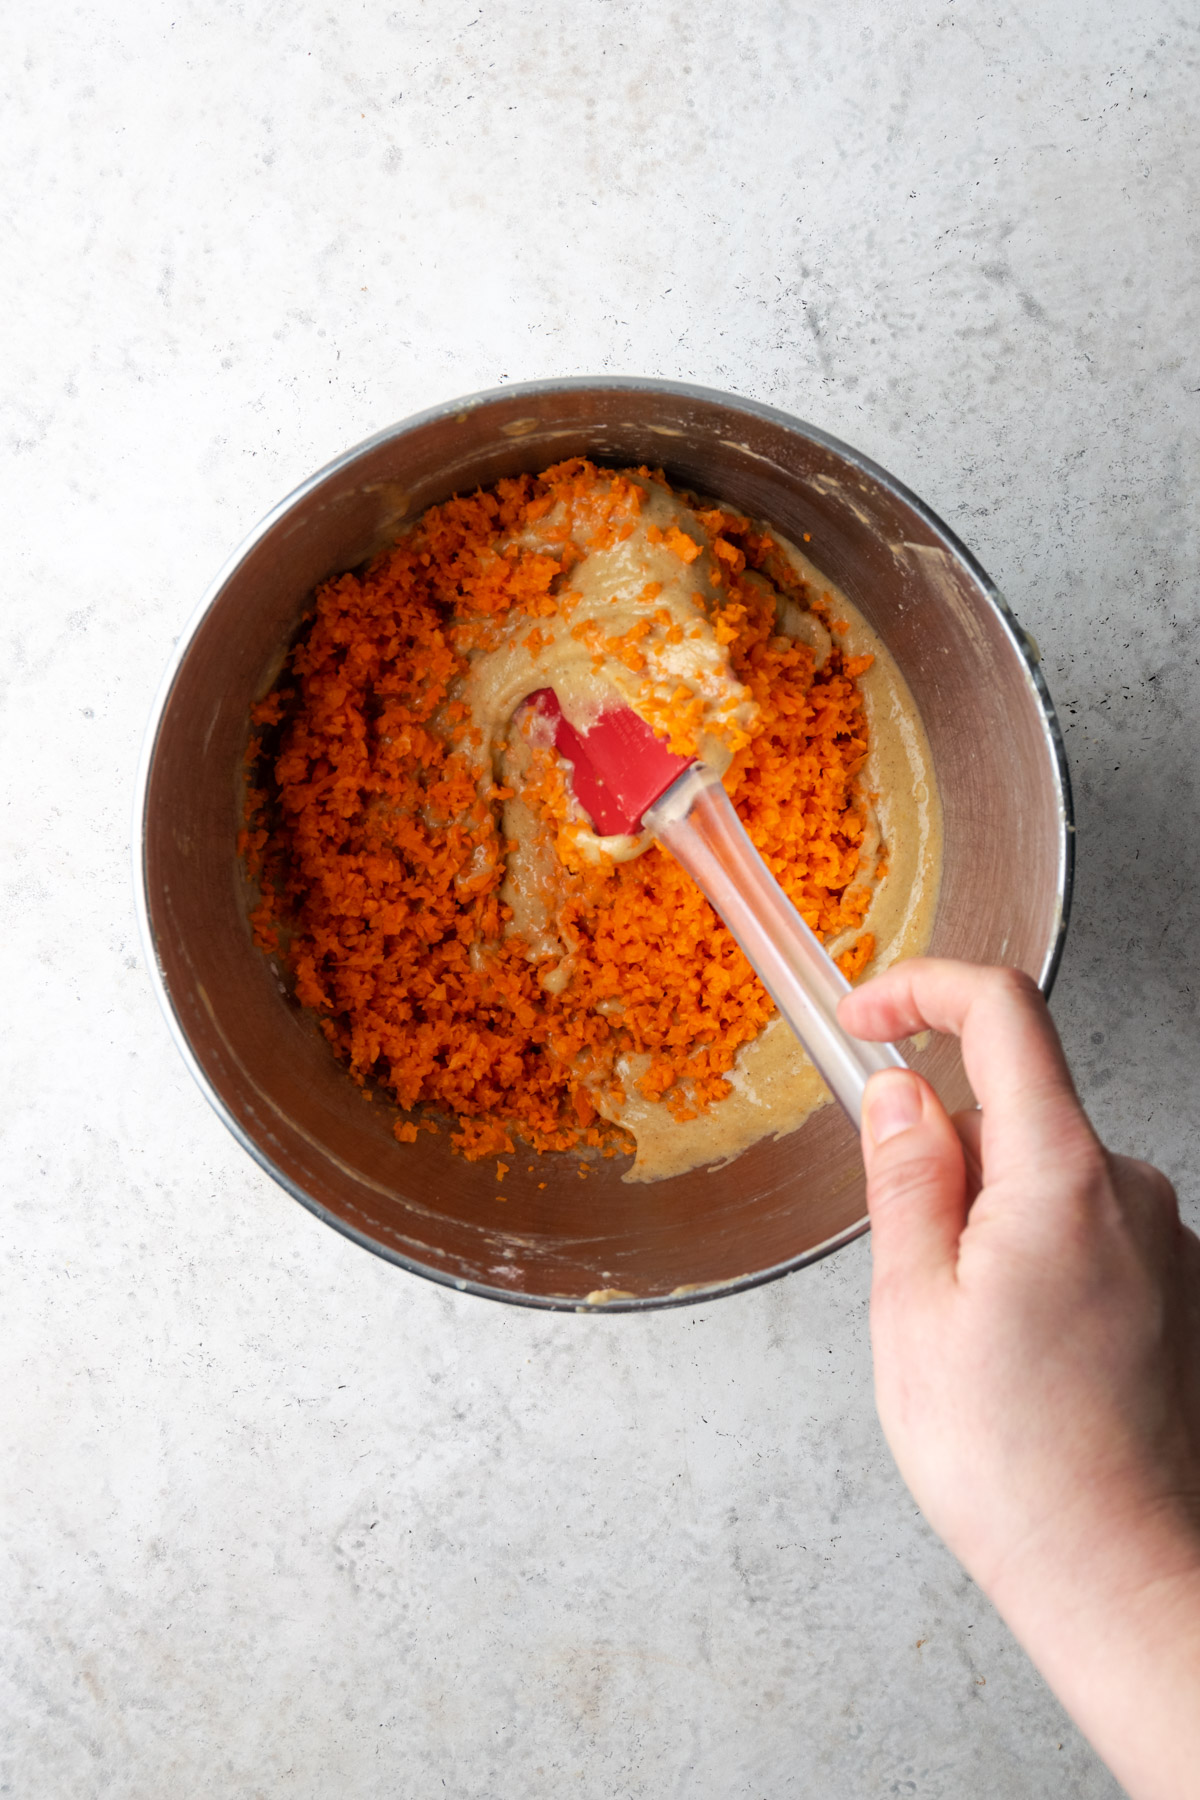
<point>892,1105</point>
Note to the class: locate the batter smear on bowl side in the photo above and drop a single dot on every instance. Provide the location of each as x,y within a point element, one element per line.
<point>437,896</point>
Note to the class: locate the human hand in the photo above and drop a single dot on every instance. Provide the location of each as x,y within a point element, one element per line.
<point>1037,1351</point>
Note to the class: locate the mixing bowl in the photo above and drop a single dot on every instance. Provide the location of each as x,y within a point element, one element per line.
<point>551,1238</point>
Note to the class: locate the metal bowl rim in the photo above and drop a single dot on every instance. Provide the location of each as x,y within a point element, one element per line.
<point>736,403</point>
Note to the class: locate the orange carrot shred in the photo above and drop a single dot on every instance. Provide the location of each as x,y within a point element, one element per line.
<point>380,862</point>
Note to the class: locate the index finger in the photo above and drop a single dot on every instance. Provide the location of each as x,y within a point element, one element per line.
<point>1011,1051</point>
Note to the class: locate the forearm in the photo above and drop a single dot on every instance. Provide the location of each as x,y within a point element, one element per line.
<point>1117,1636</point>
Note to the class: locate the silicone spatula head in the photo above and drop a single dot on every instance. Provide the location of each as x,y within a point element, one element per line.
<point>618,766</point>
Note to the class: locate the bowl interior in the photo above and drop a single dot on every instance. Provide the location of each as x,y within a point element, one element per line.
<point>550,1236</point>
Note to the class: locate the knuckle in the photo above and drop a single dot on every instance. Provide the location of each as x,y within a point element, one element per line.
<point>1081,1154</point>
<point>1085,1175</point>
<point>900,1182</point>
<point>1015,984</point>
<point>1150,1183</point>
<point>1163,1190</point>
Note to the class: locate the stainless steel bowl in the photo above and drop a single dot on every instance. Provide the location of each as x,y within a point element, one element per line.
<point>258,1057</point>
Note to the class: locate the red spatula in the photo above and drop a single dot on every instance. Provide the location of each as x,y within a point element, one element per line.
<point>627,781</point>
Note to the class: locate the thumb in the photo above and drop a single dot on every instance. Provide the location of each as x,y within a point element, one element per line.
<point>916,1177</point>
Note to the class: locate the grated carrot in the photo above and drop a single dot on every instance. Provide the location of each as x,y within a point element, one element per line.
<point>379,861</point>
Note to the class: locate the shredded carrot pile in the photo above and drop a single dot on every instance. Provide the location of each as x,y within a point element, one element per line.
<point>379,859</point>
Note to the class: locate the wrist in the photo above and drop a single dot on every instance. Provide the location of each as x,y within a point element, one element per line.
<point>1114,1626</point>
<point>1092,1558</point>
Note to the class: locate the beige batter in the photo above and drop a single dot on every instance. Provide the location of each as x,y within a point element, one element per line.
<point>642,584</point>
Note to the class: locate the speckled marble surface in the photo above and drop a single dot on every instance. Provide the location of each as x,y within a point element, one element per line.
<point>278,1519</point>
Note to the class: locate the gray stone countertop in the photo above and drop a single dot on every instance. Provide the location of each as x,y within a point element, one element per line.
<point>278,1518</point>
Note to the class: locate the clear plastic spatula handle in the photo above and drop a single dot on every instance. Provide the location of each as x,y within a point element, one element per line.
<point>695,819</point>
